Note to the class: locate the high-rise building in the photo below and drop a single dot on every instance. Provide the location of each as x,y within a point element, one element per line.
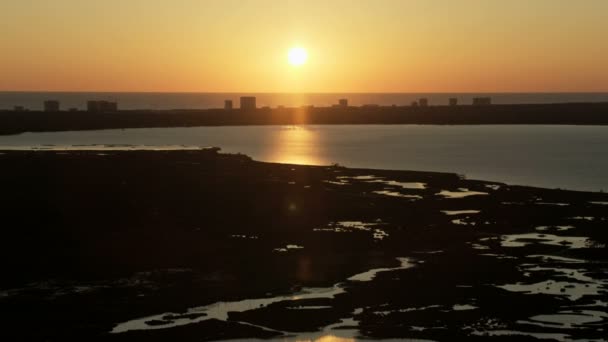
<point>51,106</point>
<point>248,102</point>
<point>343,102</point>
<point>110,106</point>
<point>228,105</point>
<point>453,101</point>
<point>423,102</point>
<point>482,101</point>
<point>102,107</point>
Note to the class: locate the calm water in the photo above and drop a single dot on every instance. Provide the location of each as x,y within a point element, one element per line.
<point>34,100</point>
<point>570,157</point>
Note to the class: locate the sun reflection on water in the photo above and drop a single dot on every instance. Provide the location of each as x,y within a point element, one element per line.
<point>328,338</point>
<point>296,145</point>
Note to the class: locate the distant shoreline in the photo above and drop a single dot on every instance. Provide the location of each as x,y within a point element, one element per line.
<point>173,101</point>
<point>12,122</point>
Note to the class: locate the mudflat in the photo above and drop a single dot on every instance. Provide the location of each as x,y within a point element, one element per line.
<point>199,245</point>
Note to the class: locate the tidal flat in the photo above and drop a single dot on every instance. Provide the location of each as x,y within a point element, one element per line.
<point>196,245</point>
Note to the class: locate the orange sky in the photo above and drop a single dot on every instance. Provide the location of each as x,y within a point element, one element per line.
<point>353,46</point>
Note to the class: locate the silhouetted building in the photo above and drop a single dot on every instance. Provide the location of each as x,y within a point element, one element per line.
<point>414,103</point>
<point>248,102</point>
<point>453,101</point>
<point>102,107</point>
<point>51,106</point>
<point>73,109</point>
<point>423,102</point>
<point>19,109</point>
<point>228,105</point>
<point>482,101</point>
<point>343,102</point>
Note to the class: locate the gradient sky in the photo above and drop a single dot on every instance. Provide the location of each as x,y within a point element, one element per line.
<point>354,45</point>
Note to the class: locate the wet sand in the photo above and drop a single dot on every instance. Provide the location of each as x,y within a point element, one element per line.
<point>199,245</point>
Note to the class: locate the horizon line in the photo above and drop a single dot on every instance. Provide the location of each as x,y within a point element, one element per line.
<point>301,93</point>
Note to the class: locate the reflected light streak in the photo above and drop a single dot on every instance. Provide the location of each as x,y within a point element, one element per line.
<point>329,338</point>
<point>296,145</point>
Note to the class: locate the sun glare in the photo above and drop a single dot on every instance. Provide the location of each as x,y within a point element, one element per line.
<point>297,56</point>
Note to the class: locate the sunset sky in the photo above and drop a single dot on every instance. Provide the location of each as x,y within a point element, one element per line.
<point>352,46</point>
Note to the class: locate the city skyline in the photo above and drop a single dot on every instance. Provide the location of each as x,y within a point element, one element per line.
<point>247,46</point>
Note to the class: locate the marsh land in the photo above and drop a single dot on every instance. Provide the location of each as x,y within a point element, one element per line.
<point>199,245</point>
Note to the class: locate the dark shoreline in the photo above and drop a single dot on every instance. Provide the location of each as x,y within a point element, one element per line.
<point>537,114</point>
<point>92,239</point>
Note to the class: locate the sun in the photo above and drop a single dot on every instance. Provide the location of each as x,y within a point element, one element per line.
<point>297,56</point>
